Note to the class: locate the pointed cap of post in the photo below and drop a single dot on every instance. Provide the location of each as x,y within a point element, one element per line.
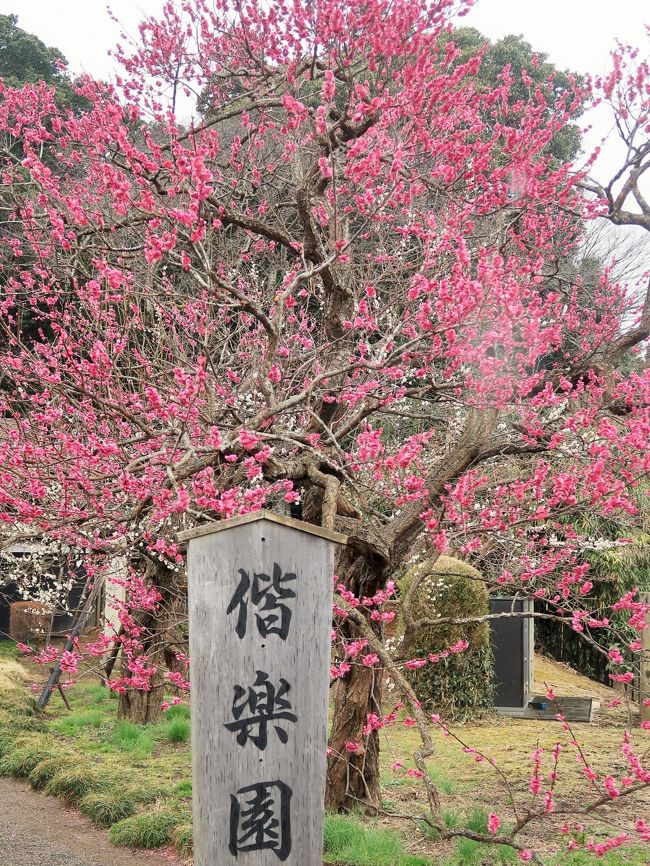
<point>261,514</point>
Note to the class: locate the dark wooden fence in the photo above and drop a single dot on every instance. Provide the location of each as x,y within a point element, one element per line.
<point>565,645</point>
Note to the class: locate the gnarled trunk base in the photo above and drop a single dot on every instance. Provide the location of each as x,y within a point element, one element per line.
<point>160,631</point>
<point>140,707</point>
<point>353,777</point>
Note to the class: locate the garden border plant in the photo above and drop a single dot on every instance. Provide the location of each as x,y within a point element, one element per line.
<point>44,750</point>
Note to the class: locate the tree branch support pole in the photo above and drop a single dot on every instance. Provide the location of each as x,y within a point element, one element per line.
<point>75,631</point>
<point>62,693</point>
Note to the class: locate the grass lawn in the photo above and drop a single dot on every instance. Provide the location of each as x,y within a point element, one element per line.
<point>136,782</point>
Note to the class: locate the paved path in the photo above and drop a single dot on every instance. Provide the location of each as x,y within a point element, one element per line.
<point>36,830</point>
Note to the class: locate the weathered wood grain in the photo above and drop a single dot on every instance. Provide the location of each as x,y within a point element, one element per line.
<point>644,679</point>
<point>221,660</point>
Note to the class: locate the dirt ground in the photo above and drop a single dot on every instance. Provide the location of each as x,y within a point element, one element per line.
<point>36,830</point>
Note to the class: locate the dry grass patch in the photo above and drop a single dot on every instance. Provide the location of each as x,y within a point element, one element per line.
<point>11,673</point>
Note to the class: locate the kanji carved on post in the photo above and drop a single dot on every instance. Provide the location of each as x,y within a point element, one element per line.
<point>264,593</point>
<point>259,707</point>
<point>260,819</point>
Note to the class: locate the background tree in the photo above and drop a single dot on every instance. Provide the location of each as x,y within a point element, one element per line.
<point>530,71</point>
<point>25,59</point>
<point>458,684</point>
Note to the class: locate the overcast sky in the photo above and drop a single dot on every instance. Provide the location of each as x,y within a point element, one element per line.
<point>576,34</point>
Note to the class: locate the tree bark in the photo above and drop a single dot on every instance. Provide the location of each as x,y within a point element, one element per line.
<point>364,567</point>
<point>140,707</point>
<point>353,777</point>
<point>144,706</point>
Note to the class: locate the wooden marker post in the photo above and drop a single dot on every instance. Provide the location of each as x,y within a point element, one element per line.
<point>260,617</point>
<point>644,679</point>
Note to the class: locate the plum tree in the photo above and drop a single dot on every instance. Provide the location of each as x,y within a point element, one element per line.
<point>335,290</point>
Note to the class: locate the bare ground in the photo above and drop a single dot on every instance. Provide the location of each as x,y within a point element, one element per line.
<point>36,830</point>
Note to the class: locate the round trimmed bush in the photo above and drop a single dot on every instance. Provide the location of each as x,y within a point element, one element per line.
<point>460,684</point>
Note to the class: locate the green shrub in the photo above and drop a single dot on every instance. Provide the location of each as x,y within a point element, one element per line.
<point>178,731</point>
<point>375,847</point>
<point>183,840</point>
<point>152,830</point>
<point>148,792</point>
<point>107,807</point>
<point>622,857</point>
<point>72,724</point>
<point>88,694</point>
<point>8,650</point>
<point>346,840</point>
<point>30,723</point>
<point>7,742</point>
<point>16,700</point>
<point>469,852</point>
<point>184,788</point>
<point>46,770</point>
<point>338,833</point>
<point>178,711</point>
<point>442,782</point>
<point>19,762</point>
<point>17,713</point>
<point>507,854</point>
<point>461,684</point>
<point>451,819</point>
<point>72,782</point>
<point>477,820</point>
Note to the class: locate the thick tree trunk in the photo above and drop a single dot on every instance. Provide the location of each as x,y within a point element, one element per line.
<point>140,707</point>
<point>137,705</point>
<point>353,776</point>
<point>364,567</point>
